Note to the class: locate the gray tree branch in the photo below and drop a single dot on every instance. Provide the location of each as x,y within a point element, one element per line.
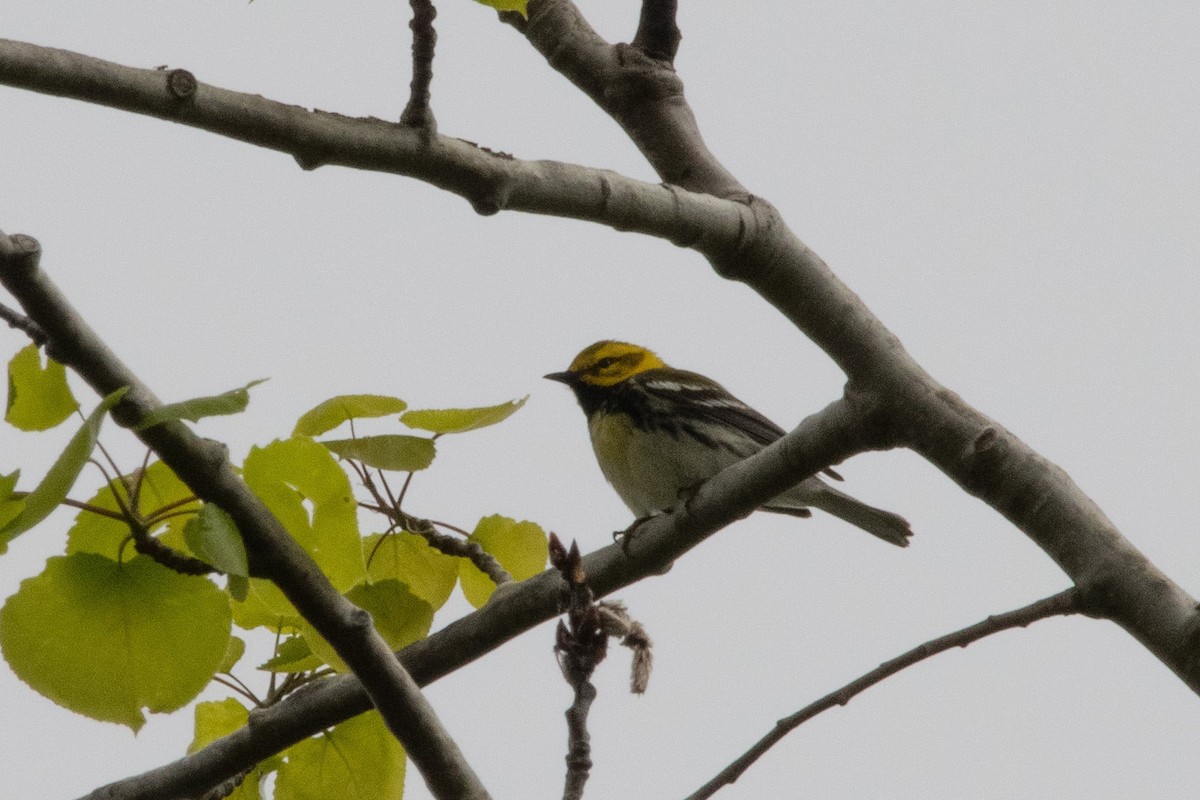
<point>1061,604</point>
<point>273,553</point>
<point>829,436</point>
<point>657,34</point>
<point>1115,579</point>
<point>418,112</point>
<point>491,182</point>
<point>745,240</point>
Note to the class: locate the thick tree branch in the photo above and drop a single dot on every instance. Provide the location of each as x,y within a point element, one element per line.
<point>490,182</point>
<point>745,242</point>
<point>641,93</point>
<point>204,467</point>
<point>1061,604</point>
<point>988,461</point>
<point>657,34</point>
<point>826,437</point>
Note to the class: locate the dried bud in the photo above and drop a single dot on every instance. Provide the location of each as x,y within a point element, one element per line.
<point>558,553</point>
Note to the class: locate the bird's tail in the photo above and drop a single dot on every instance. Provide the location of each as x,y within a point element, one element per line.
<point>890,527</point>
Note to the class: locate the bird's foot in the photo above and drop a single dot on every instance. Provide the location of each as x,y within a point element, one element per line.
<point>625,537</point>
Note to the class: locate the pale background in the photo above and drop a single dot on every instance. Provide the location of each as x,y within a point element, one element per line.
<point>1012,186</point>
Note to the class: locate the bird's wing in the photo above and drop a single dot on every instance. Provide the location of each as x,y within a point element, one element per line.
<point>700,398</point>
<point>709,401</point>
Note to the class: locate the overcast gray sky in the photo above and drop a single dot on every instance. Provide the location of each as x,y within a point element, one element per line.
<point>1013,187</point>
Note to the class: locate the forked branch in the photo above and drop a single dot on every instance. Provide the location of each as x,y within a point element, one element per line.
<point>1061,604</point>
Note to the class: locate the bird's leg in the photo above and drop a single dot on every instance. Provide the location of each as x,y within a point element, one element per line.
<point>686,494</point>
<point>626,536</point>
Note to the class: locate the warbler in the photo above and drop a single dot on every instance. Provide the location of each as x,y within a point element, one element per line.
<point>659,432</point>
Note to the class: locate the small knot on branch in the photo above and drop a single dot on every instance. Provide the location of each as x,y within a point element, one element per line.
<point>486,205</point>
<point>985,439</point>
<point>181,84</point>
<point>19,254</point>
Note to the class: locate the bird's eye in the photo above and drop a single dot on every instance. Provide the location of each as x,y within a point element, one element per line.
<point>605,362</point>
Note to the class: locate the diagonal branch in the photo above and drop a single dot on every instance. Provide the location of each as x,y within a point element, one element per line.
<point>989,462</point>
<point>205,468</point>
<point>1061,604</point>
<point>829,436</point>
<point>745,241</point>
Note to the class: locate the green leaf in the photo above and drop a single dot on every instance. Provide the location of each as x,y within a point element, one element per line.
<point>358,759</point>
<point>232,402</point>
<point>160,488</point>
<point>262,605</point>
<point>213,537</point>
<point>391,451</point>
<point>107,640</point>
<point>336,410</point>
<point>293,655</point>
<point>461,420</point>
<point>58,481</point>
<point>251,786</point>
<point>429,573</point>
<point>238,587</point>
<point>520,547</point>
<point>507,5</point>
<point>10,507</point>
<point>216,719</point>
<point>38,399</point>
<point>233,654</point>
<point>295,475</point>
<point>219,718</point>
<point>308,492</point>
<point>399,615</point>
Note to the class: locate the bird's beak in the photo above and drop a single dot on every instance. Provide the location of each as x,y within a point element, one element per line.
<point>561,377</point>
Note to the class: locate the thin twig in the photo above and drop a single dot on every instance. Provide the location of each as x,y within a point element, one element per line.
<point>580,645</point>
<point>403,489</point>
<point>449,527</point>
<point>657,34</point>
<point>388,489</point>
<point>238,687</point>
<point>164,554</point>
<point>249,692</point>
<point>120,476</point>
<point>24,324</point>
<point>418,113</point>
<point>135,496</point>
<point>82,506</point>
<point>173,509</point>
<point>1063,603</point>
<point>442,542</point>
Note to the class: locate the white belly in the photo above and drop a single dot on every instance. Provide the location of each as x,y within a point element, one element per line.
<point>649,471</point>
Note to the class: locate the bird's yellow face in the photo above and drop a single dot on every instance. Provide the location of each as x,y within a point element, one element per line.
<point>608,363</point>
